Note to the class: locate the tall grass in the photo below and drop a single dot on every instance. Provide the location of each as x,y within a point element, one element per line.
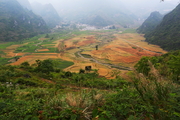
<point>156,94</point>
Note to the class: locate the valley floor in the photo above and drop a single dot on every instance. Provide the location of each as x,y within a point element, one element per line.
<point>106,51</point>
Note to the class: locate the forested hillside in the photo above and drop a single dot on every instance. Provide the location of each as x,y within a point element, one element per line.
<point>166,33</point>
<point>150,23</point>
<point>17,23</point>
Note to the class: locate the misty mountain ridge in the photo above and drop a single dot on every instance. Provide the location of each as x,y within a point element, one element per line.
<point>105,16</point>
<point>142,8</point>
<point>25,4</point>
<point>48,13</point>
<point>17,23</point>
<point>167,33</point>
<point>98,13</point>
<point>150,23</point>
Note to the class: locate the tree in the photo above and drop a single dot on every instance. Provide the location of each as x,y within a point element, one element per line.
<point>174,65</point>
<point>47,36</point>
<point>25,64</point>
<point>96,47</point>
<point>45,66</point>
<point>81,71</point>
<point>142,66</point>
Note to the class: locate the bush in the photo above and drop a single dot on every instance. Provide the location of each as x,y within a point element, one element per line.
<point>27,82</point>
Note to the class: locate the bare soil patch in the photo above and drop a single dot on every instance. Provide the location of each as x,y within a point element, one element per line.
<point>33,57</point>
<point>40,50</point>
<point>43,38</point>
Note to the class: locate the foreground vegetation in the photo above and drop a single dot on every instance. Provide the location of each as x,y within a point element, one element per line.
<point>45,92</point>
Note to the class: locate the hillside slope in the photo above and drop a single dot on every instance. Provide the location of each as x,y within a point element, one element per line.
<point>17,23</point>
<point>150,23</point>
<point>167,33</point>
<point>48,13</point>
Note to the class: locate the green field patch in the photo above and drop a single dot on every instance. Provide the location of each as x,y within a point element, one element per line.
<point>82,32</point>
<point>4,45</point>
<point>33,39</point>
<point>4,61</point>
<point>62,64</point>
<point>51,50</point>
<point>2,53</point>
<point>129,31</point>
<point>48,42</point>
<point>48,45</point>
<point>66,37</point>
<point>31,49</point>
<point>27,48</point>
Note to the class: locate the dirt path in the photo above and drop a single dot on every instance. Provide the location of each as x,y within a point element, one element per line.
<point>106,64</point>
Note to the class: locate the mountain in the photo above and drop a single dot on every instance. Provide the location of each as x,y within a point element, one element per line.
<point>105,16</point>
<point>97,13</point>
<point>150,23</point>
<point>17,23</point>
<point>167,33</point>
<point>48,13</point>
<point>25,4</point>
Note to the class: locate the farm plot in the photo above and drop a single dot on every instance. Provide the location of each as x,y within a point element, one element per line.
<point>104,51</point>
<point>118,49</point>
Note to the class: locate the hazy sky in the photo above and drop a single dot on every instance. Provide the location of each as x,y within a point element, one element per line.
<point>127,1</point>
<point>134,3</point>
<point>138,7</point>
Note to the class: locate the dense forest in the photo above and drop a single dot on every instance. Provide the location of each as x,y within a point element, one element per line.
<point>166,33</point>
<point>17,23</point>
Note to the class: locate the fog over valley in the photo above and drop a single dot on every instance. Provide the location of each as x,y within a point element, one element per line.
<point>133,6</point>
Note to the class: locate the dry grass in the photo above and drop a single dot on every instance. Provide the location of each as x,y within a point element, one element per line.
<point>81,103</point>
<point>154,88</point>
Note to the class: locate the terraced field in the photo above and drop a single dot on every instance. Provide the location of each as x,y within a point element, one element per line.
<point>106,51</point>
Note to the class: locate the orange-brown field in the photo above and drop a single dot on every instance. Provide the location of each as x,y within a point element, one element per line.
<point>124,49</point>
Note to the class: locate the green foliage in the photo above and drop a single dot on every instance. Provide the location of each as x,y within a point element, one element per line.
<point>166,33</point>
<point>122,104</point>
<point>26,94</point>
<point>47,36</point>
<point>167,65</point>
<point>142,66</point>
<point>25,65</point>
<point>45,66</point>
